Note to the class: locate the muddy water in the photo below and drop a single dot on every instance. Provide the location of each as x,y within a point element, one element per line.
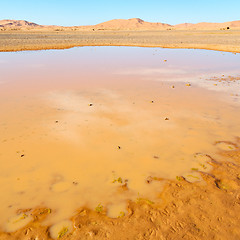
<point>78,124</point>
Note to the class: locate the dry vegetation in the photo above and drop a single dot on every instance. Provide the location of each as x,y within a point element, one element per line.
<point>17,40</point>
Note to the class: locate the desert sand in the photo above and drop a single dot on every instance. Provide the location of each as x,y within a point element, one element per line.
<point>22,35</point>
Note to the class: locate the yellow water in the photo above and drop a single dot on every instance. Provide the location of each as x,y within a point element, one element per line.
<point>78,124</point>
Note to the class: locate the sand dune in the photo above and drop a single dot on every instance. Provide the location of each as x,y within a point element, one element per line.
<point>121,24</point>
<point>23,24</point>
<point>17,23</point>
<point>208,25</point>
<point>133,23</point>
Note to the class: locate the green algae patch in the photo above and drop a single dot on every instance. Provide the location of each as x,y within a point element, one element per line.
<point>226,146</point>
<point>60,229</point>
<point>192,177</point>
<point>99,208</point>
<point>62,232</point>
<point>17,222</point>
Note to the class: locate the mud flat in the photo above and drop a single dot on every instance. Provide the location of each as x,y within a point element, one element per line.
<point>11,40</point>
<point>119,143</point>
<point>187,211</point>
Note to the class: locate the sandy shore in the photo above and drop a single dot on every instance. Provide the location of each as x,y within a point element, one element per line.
<point>13,40</point>
<point>204,210</point>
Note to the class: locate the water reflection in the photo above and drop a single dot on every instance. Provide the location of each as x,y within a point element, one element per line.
<point>91,126</point>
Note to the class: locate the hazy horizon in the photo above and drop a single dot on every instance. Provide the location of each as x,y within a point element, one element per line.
<point>106,21</point>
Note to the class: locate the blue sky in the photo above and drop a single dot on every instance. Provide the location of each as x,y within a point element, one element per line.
<point>79,12</point>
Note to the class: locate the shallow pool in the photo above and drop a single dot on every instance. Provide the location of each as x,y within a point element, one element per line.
<point>97,126</point>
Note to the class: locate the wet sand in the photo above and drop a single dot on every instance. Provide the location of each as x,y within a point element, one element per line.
<point>143,141</point>
<point>208,210</point>
<point>20,40</point>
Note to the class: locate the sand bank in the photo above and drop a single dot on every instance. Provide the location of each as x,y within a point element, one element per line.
<point>19,40</point>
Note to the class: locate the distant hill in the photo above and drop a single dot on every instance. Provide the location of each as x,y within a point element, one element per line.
<point>22,24</point>
<point>17,23</point>
<point>119,24</point>
<point>208,25</point>
<point>133,23</point>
